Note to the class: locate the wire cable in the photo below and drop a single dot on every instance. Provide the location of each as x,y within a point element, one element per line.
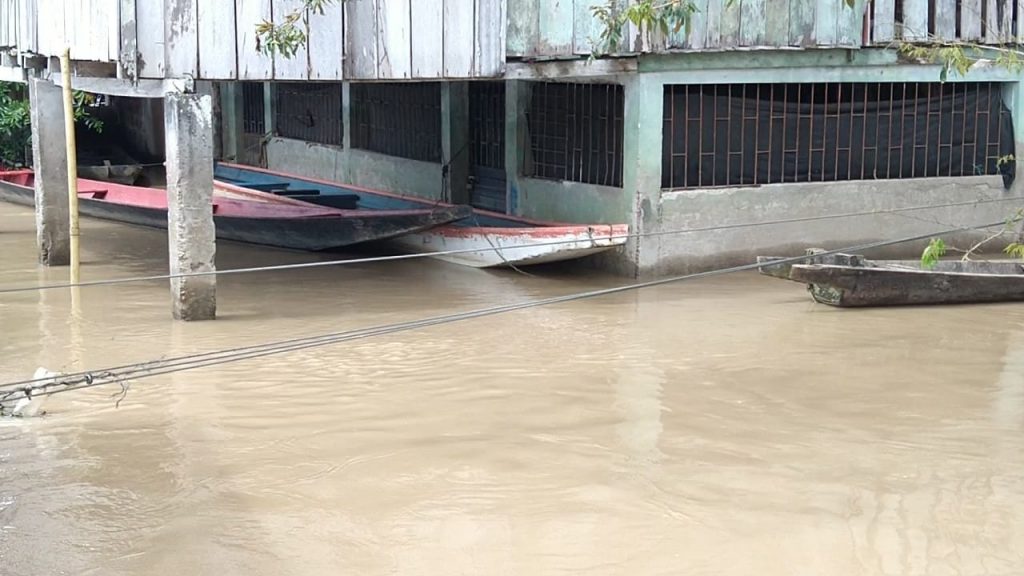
<point>498,249</point>
<point>75,381</point>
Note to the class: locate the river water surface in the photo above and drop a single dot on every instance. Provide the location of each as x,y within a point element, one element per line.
<point>723,426</point>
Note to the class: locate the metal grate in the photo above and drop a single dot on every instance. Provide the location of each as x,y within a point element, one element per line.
<point>310,112</point>
<point>576,132</point>
<point>253,118</point>
<point>750,134</point>
<point>487,124</point>
<point>398,119</point>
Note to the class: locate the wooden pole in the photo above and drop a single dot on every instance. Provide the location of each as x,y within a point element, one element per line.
<point>72,153</point>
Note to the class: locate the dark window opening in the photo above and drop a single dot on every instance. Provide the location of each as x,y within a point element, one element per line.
<point>398,119</point>
<point>253,115</point>
<point>310,112</point>
<point>750,134</point>
<point>576,132</point>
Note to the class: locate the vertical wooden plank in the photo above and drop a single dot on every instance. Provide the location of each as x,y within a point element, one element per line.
<point>555,26</point>
<point>459,41</point>
<point>181,38</point>
<point>915,20</point>
<point>394,56</point>
<point>851,24</point>
<point>991,20</point>
<point>361,40</point>
<point>113,30</point>
<point>128,46</point>
<point>883,26</point>
<point>523,27</point>
<point>945,20</point>
<point>297,66</point>
<point>149,18</point>
<point>776,27</point>
<point>752,22</point>
<point>1020,21</point>
<point>730,23</point>
<point>327,43</point>
<point>826,15</point>
<point>252,65</point>
<point>490,38</point>
<point>218,59</point>
<point>586,29</point>
<point>1006,21</point>
<point>970,19</point>
<point>713,24</point>
<point>427,38</point>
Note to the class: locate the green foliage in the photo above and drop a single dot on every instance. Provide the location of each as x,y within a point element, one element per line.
<point>649,16</point>
<point>16,124</point>
<point>291,34</point>
<point>935,250</point>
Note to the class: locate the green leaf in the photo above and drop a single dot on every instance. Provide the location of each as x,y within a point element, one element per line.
<point>935,250</point>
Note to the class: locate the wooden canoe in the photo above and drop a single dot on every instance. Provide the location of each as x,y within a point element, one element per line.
<point>241,216</point>
<point>483,240</point>
<point>848,281</point>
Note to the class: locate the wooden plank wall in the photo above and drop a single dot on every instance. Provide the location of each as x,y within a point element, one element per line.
<point>985,21</point>
<point>9,18</point>
<point>540,28</point>
<point>91,28</point>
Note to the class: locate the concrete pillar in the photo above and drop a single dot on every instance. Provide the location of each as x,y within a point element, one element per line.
<point>188,125</point>
<point>455,140</point>
<point>517,102</point>
<point>50,163</point>
<point>641,170</point>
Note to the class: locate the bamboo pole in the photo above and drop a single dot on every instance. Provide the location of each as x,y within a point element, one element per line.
<point>72,154</point>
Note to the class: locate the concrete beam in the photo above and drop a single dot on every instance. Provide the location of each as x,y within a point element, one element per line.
<point>12,74</point>
<point>50,164</point>
<point>125,87</point>
<point>188,125</point>
<point>578,69</point>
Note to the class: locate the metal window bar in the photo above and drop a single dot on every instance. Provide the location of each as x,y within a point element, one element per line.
<point>576,132</point>
<point>253,119</point>
<point>310,112</point>
<point>487,124</point>
<point>741,135</point>
<point>400,119</point>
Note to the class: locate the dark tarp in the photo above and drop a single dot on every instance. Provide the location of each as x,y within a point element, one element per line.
<point>731,135</point>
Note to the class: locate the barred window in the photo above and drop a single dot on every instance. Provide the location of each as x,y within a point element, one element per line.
<point>576,132</point>
<point>310,112</point>
<point>750,134</point>
<point>398,119</point>
<point>253,118</point>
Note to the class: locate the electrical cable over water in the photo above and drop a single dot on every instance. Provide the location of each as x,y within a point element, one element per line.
<point>26,389</point>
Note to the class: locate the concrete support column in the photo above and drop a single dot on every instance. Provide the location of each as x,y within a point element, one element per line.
<point>517,102</point>
<point>455,140</point>
<point>641,169</point>
<point>188,125</point>
<point>346,116</point>
<point>50,164</point>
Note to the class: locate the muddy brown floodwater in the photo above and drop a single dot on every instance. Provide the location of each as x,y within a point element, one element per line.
<point>723,426</point>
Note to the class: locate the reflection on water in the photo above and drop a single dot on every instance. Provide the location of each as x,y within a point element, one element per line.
<point>726,426</point>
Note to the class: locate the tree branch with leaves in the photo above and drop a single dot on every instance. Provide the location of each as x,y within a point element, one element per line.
<point>292,33</point>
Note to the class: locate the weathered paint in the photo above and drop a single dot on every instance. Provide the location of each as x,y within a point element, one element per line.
<point>181,38</point>
<point>730,22</point>
<point>361,40</point>
<point>489,48</point>
<point>970,19</point>
<point>394,56</point>
<point>216,23</point>
<point>128,58</point>
<point>884,23</point>
<point>460,24</point>
<point>776,25</point>
<point>826,17</point>
<point>850,24</point>
<point>945,18</point>
<point>427,39</point>
<point>327,43</point>
<point>149,22</point>
<point>915,19</point>
<point>752,23</point>
<point>252,64</point>
<point>801,22</point>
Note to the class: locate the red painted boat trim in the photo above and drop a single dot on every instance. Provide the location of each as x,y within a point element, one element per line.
<point>156,198</point>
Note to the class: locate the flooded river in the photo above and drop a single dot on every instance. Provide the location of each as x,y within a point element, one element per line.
<point>725,426</point>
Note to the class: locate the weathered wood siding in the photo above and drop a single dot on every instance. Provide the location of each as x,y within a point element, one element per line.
<point>90,28</point>
<point>545,28</point>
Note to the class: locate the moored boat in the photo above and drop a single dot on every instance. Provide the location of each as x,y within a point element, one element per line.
<point>848,281</point>
<point>483,240</point>
<point>293,225</point>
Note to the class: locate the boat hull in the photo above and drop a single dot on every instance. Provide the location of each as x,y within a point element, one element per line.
<point>481,247</point>
<point>484,240</point>
<point>317,233</point>
<point>854,287</point>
